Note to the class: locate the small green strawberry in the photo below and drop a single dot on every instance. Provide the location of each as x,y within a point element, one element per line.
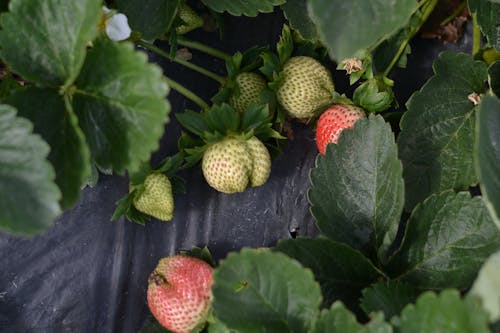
<point>190,20</point>
<point>249,86</point>
<point>179,293</point>
<point>232,164</point>
<point>306,87</point>
<point>333,121</point>
<point>156,198</point>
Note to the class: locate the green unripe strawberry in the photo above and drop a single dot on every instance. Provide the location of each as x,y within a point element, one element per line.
<point>156,199</point>
<point>190,20</point>
<point>307,86</point>
<point>250,85</point>
<point>232,164</point>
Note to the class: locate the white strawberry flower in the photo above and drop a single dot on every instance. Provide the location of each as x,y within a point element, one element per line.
<point>116,25</point>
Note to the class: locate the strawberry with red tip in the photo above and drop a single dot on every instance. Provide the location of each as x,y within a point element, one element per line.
<point>179,293</point>
<point>333,121</point>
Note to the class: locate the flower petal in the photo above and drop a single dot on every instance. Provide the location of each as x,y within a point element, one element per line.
<point>117,27</point>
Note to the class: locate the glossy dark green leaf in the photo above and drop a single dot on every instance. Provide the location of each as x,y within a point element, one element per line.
<point>338,319</point>
<point>57,124</point>
<point>445,312</point>
<point>436,142</point>
<point>28,195</point>
<point>152,18</point>
<point>390,298</point>
<point>45,41</point>
<point>494,77</point>
<point>243,7</point>
<point>341,270</point>
<point>297,15</point>
<point>488,18</point>
<point>347,27</point>
<point>487,287</point>
<point>488,153</point>
<point>263,291</point>
<point>357,188</point>
<point>121,106</point>
<point>447,239</point>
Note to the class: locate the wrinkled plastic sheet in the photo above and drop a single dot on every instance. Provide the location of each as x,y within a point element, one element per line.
<point>87,274</point>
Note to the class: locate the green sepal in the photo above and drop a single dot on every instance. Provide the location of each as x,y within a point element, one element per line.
<point>224,92</point>
<point>309,48</point>
<point>373,96</point>
<point>200,253</point>
<point>125,207</point>
<point>194,155</point>
<point>171,164</point>
<point>285,45</point>
<point>138,176</point>
<point>187,141</point>
<point>178,184</point>
<point>270,65</point>
<point>222,119</point>
<point>193,122</point>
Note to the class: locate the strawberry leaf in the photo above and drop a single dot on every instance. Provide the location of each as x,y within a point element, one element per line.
<point>347,27</point>
<point>487,287</point>
<point>488,17</point>
<point>494,77</point>
<point>56,122</point>
<point>338,319</point>
<point>29,197</point>
<point>357,188</point>
<point>437,133</point>
<point>120,102</point>
<point>53,34</point>
<point>298,17</point>
<point>250,294</point>
<point>8,85</point>
<point>390,298</point>
<point>341,270</point>
<point>446,240</point>
<point>487,152</point>
<point>445,312</point>
<point>152,18</point>
<point>243,7</point>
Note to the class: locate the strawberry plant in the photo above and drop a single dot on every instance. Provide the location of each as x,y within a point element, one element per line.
<point>404,193</point>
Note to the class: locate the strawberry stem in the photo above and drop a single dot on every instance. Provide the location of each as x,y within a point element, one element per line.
<point>187,93</point>
<point>182,62</point>
<point>203,48</point>
<point>427,8</point>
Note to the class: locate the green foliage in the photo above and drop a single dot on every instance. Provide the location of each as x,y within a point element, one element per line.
<point>445,312</point>
<point>357,188</point>
<point>488,17</point>
<point>341,270</point>
<point>297,15</point>
<point>120,103</point>
<point>487,153</point>
<point>29,198</point>
<point>243,7</point>
<point>53,34</point>
<point>437,132</point>
<point>494,77</point>
<point>153,326</point>
<point>447,239</point>
<point>342,24</point>
<point>152,18</point>
<point>390,298</point>
<point>259,290</point>
<point>487,287</point>
<point>338,319</point>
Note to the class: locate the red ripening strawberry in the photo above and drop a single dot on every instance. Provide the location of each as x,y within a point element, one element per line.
<point>179,293</point>
<point>333,121</point>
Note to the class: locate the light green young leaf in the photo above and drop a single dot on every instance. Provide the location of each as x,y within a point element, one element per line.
<point>341,270</point>
<point>243,7</point>
<point>45,41</point>
<point>298,17</point>
<point>28,195</point>
<point>347,27</point>
<point>447,239</point>
<point>487,287</point>
<point>445,312</point>
<point>152,18</point>
<point>58,125</point>
<point>121,106</point>
<point>487,153</point>
<point>338,319</point>
<point>357,188</point>
<point>262,291</point>
<point>436,142</point>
